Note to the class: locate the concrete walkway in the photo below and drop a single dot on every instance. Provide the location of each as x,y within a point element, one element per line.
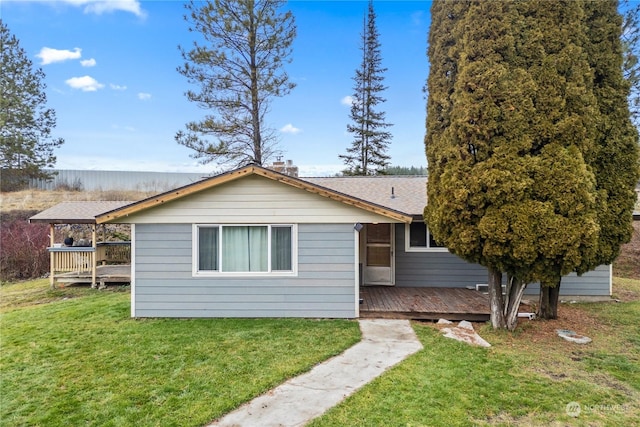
<point>300,399</point>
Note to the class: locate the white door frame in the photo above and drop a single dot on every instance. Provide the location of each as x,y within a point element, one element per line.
<point>379,275</point>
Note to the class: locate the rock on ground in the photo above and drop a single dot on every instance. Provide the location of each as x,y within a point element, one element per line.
<point>464,332</point>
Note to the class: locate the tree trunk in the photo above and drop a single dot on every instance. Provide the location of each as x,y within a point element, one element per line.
<point>496,302</point>
<point>515,290</point>
<point>255,95</point>
<point>548,303</point>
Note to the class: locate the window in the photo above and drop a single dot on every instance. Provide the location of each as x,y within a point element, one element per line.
<point>419,239</point>
<point>249,249</point>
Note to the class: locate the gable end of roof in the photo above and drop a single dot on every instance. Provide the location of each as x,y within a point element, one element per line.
<point>233,175</point>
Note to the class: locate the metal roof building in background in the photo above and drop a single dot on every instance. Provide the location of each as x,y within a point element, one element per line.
<point>100,180</point>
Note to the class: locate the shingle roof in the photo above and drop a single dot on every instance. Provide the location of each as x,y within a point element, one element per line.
<point>406,194</point>
<point>348,195</point>
<point>77,212</point>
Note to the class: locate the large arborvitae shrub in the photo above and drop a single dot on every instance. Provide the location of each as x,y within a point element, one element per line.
<point>510,116</point>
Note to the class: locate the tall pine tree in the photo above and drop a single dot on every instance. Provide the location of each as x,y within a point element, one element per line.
<point>238,67</point>
<point>26,145</point>
<point>367,154</point>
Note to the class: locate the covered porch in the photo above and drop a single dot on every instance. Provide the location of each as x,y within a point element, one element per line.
<point>93,259</point>
<point>391,302</point>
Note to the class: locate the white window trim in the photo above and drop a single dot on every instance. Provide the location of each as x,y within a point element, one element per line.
<point>208,273</point>
<point>409,248</point>
<point>132,285</point>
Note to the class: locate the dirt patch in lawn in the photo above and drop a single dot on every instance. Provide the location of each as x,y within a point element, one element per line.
<point>628,262</point>
<point>570,317</point>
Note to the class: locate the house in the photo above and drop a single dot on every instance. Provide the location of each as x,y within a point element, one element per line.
<point>257,243</point>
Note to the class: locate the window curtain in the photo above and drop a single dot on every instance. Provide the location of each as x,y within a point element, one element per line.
<point>281,249</point>
<point>244,248</point>
<point>208,248</point>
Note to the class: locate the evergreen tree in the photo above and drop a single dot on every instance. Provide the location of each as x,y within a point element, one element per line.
<point>25,122</point>
<point>508,119</point>
<point>615,158</point>
<point>238,68</point>
<point>631,56</point>
<point>405,170</point>
<point>367,154</point>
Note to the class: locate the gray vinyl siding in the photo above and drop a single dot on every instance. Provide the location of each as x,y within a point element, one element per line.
<point>323,287</point>
<point>443,269</point>
<point>594,283</point>
<point>433,269</point>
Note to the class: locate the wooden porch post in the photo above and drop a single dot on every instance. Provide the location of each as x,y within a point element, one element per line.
<point>52,240</point>
<point>94,257</point>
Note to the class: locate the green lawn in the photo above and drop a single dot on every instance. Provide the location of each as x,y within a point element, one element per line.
<point>526,379</point>
<point>74,357</point>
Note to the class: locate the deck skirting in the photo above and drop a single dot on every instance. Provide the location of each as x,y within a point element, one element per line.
<point>104,274</point>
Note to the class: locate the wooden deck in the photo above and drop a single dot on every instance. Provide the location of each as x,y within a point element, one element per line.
<point>391,302</point>
<point>104,274</point>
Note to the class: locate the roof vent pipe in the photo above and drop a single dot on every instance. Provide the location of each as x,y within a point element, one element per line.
<point>393,193</point>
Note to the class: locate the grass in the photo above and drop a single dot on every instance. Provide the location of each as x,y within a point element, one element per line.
<point>44,199</point>
<point>75,357</point>
<point>36,292</point>
<point>526,378</point>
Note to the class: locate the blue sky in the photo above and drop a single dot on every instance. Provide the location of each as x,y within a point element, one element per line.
<point>111,77</point>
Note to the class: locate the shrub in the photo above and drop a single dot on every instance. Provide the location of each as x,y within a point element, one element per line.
<point>23,247</point>
<point>64,185</point>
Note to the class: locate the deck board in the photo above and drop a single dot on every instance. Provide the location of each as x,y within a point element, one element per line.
<point>423,303</point>
<point>104,274</point>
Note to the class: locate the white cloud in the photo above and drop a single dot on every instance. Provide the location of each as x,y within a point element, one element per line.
<point>107,6</point>
<point>49,55</point>
<point>88,62</point>
<point>289,128</point>
<point>85,83</point>
<point>117,87</point>
<point>347,100</point>
<point>144,96</point>
<point>320,170</point>
<point>127,128</point>
<point>99,7</point>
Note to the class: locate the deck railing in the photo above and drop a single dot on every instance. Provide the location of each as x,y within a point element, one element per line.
<point>114,252</point>
<point>71,259</point>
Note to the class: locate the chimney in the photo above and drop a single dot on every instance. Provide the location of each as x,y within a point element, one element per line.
<point>287,168</point>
